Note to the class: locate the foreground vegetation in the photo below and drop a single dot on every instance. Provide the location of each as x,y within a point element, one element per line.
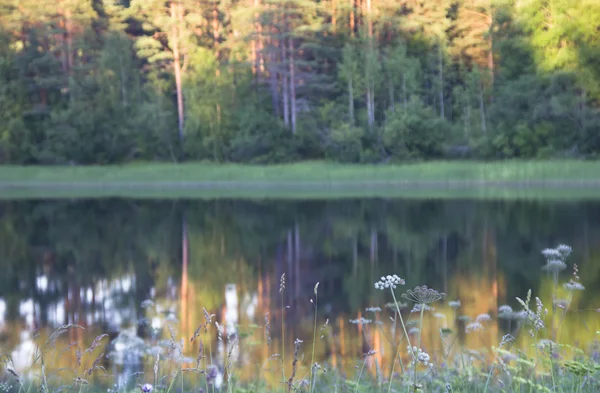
<point>527,357</point>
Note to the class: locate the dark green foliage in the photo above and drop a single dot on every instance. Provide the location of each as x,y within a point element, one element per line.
<point>271,81</point>
<point>415,133</point>
<point>345,143</point>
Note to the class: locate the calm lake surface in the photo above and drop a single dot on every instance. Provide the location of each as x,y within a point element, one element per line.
<point>97,263</point>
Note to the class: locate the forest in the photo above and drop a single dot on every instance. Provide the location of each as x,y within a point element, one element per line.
<point>264,81</point>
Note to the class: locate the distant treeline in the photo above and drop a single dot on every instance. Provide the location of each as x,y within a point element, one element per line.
<point>106,81</point>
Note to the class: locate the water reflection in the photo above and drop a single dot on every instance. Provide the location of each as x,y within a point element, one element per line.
<point>133,268</point>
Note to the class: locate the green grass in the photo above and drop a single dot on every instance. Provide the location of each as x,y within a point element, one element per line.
<point>307,179</point>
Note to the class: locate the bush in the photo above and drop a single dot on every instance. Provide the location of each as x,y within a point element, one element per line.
<point>345,143</point>
<point>415,133</point>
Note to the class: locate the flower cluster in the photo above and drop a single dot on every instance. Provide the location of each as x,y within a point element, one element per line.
<point>389,282</point>
<point>473,327</point>
<point>483,318</point>
<point>454,304</point>
<point>420,356</point>
<point>361,321</point>
<point>423,295</point>
<point>555,258</point>
<point>146,388</point>
<point>505,311</point>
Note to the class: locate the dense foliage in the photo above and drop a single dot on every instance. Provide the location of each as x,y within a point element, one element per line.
<point>105,81</point>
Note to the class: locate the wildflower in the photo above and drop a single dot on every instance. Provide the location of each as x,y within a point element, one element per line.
<point>423,295</point>
<point>413,330</point>
<point>545,343</point>
<point>147,303</point>
<point>420,357</point>
<point>454,304</point>
<point>561,303</point>
<point>389,282</point>
<point>505,312</point>
<point>423,357</point>
<point>564,250</point>
<point>464,318</point>
<point>574,286</point>
<point>474,327</point>
<point>373,309</point>
<point>551,253</point>
<point>418,307</point>
<point>392,305</point>
<point>439,315</point>
<point>520,315</point>
<point>555,265</point>
<point>483,318</point>
<point>146,388</point>
<point>361,321</point>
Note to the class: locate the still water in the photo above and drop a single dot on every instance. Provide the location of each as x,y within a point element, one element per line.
<point>131,268</point>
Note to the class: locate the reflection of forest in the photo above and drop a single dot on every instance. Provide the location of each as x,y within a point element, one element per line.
<point>94,262</point>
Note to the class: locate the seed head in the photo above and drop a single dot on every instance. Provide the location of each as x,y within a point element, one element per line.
<point>282,283</point>
<point>423,295</point>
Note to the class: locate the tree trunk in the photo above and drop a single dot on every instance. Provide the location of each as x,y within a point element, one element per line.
<point>482,108</point>
<point>273,84</point>
<point>352,23</point>
<point>286,96</point>
<point>292,86</point>
<point>177,67</point>
<point>392,99</point>
<point>441,72</point>
<point>350,101</point>
<point>405,96</point>
<point>370,87</point>
<point>333,15</point>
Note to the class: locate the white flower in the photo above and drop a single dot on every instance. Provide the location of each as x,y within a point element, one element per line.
<point>454,304</point>
<point>551,253</point>
<point>423,357</point>
<point>474,327</point>
<point>483,318</point>
<point>555,265</point>
<point>574,286</point>
<point>361,321</point>
<point>389,281</point>
<point>564,250</point>
<point>147,388</point>
<point>505,309</point>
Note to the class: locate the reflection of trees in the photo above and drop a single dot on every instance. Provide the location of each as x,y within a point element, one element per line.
<point>460,247</point>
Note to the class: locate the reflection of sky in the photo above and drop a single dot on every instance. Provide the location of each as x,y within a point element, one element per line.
<point>2,313</point>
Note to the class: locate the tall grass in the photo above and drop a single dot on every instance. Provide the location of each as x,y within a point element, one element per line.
<point>540,364</point>
<point>316,171</point>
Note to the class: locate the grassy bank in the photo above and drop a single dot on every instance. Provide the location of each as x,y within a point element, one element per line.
<point>305,179</point>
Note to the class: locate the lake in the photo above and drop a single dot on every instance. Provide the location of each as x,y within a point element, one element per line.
<point>134,269</point>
